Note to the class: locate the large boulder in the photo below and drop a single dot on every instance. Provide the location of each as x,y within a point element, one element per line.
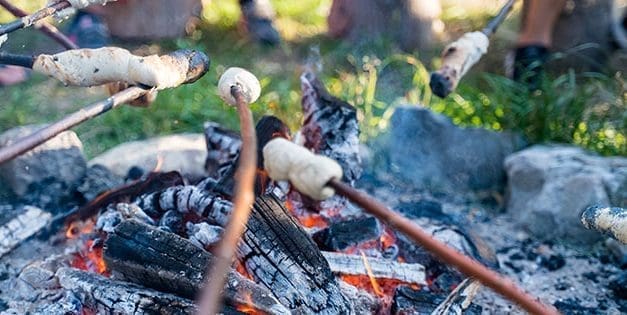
<point>185,153</point>
<point>550,186</point>
<point>57,162</point>
<point>431,152</point>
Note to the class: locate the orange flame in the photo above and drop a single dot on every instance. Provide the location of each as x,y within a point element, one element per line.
<point>90,259</point>
<point>78,228</point>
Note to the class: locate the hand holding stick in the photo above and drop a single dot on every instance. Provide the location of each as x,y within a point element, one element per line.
<point>459,56</point>
<point>284,160</point>
<point>243,88</point>
<point>197,66</point>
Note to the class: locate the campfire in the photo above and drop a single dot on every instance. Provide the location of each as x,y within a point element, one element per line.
<point>277,226</point>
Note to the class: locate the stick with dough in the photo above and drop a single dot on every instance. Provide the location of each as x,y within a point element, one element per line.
<point>90,67</point>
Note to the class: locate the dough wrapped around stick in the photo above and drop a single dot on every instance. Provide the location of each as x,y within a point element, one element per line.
<point>90,67</point>
<point>308,172</point>
<point>80,4</point>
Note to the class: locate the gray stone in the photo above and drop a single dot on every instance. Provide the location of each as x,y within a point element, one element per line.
<point>185,153</point>
<point>58,160</point>
<point>431,152</point>
<point>550,186</point>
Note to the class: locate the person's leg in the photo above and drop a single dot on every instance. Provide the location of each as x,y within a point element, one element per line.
<point>535,39</point>
<point>258,16</point>
<point>540,18</point>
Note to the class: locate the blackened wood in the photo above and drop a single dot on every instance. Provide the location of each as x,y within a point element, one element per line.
<point>151,183</point>
<point>330,127</point>
<point>164,261</point>
<point>278,254</point>
<point>107,296</point>
<point>348,264</point>
<point>459,299</point>
<point>222,147</point>
<point>341,235</point>
<point>408,301</point>
<point>25,224</point>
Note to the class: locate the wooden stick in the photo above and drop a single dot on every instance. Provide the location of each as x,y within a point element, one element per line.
<point>28,20</point>
<point>465,264</point>
<point>25,61</point>
<point>211,297</point>
<point>43,26</point>
<point>44,134</point>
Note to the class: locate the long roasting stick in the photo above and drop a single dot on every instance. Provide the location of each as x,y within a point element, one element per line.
<point>196,65</point>
<point>211,296</point>
<point>464,263</point>
<point>459,56</point>
<point>46,28</point>
<point>29,20</point>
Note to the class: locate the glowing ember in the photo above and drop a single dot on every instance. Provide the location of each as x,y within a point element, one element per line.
<point>306,218</point>
<point>89,258</point>
<point>248,308</point>
<point>239,267</point>
<point>373,281</point>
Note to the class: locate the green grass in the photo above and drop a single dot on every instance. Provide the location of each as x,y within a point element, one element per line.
<point>584,109</point>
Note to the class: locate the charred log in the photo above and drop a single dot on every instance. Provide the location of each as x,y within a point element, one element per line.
<point>381,268</point>
<point>160,260</point>
<point>278,254</point>
<point>114,297</point>
<point>25,224</point>
<point>330,127</point>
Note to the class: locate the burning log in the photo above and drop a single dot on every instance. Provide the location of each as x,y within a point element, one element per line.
<point>612,221</point>
<point>194,65</point>
<point>222,148</point>
<point>164,261</point>
<point>23,226</point>
<point>277,253</point>
<point>381,268</point>
<point>107,296</point>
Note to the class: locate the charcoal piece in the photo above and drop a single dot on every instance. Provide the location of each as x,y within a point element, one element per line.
<point>572,306</point>
<point>424,209</point>
<point>618,285</point>
<point>114,297</point>
<point>134,173</point>
<point>341,235</point>
<point>408,301</point>
<point>330,126</point>
<point>348,264</point>
<point>173,221</point>
<point>222,147</point>
<point>552,262</point>
<point>97,180</point>
<point>279,254</point>
<point>164,261</point>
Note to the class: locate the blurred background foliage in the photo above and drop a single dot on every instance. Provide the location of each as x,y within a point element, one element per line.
<point>587,109</point>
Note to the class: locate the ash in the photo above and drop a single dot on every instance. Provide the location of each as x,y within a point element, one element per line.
<point>575,279</point>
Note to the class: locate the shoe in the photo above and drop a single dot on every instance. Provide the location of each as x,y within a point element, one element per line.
<point>529,64</point>
<point>88,31</point>
<point>258,16</point>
